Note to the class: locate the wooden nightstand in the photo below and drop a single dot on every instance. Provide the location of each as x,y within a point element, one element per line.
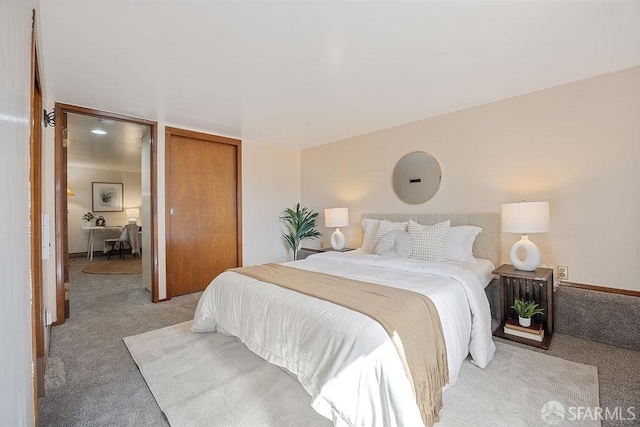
<point>532,286</point>
<point>305,252</point>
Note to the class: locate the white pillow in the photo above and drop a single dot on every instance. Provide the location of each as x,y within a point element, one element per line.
<point>460,243</point>
<point>396,243</point>
<point>369,230</point>
<point>429,241</point>
<point>383,228</point>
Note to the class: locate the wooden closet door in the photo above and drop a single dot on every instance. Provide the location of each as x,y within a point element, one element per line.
<point>203,215</point>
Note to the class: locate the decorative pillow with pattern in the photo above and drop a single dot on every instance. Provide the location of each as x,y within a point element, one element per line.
<point>429,241</point>
<point>384,227</point>
<point>396,243</point>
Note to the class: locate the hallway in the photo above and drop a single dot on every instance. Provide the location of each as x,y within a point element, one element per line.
<point>95,381</point>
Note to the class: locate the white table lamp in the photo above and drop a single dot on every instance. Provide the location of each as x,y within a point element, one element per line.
<point>133,214</point>
<point>525,217</point>
<point>336,217</point>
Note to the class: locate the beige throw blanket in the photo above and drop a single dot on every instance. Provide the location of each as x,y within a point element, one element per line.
<point>410,319</point>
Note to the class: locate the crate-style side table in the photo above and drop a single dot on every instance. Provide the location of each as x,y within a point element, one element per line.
<point>532,286</point>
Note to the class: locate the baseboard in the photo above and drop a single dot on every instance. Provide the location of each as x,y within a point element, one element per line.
<point>41,368</point>
<point>628,292</point>
<point>590,312</point>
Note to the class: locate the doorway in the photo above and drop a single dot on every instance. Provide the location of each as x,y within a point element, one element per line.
<point>35,220</point>
<point>69,116</point>
<point>204,214</point>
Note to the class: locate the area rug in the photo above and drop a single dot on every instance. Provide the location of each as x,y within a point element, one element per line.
<point>118,266</point>
<point>214,380</point>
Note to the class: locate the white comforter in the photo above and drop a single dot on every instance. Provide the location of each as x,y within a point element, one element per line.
<point>344,359</point>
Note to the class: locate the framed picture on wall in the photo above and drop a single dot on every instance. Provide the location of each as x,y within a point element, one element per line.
<point>107,197</point>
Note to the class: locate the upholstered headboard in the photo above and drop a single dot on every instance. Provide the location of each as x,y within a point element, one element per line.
<point>487,244</point>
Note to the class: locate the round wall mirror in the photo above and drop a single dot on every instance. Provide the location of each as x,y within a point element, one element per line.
<point>416,177</point>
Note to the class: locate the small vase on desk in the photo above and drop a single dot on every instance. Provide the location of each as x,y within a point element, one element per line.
<point>87,223</point>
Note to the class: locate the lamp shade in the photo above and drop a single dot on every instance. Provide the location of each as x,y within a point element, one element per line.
<point>336,217</point>
<point>133,214</point>
<point>70,193</point>
<point>525,217</point>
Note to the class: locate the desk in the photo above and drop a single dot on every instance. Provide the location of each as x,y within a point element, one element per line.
<point>92,232</point>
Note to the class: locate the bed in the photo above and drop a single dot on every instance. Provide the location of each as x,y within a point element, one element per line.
<point>345,360</point>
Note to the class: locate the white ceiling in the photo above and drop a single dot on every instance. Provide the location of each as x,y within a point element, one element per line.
<point>120,149</point>
<point>307,73</point>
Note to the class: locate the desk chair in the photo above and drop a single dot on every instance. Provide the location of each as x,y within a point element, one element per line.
<point>128,239</point>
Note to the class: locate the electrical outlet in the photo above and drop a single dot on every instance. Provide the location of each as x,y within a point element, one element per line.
<point>562,271</point>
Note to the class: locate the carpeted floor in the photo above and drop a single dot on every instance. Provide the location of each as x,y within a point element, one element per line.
<point>618,371</point>
<point>97,383</point>
<point>101,384</point>
<point>210,380</point>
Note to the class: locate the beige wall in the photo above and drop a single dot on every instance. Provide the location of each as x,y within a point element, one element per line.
<point>16,391</point>
<point>80,180</point>
<point>48,207</point>
<point>270,183</point>
<point>576,145</point>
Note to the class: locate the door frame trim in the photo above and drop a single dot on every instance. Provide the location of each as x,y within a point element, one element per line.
<point>169,131</point>
<point>35,220</point>
<point>61,225</point>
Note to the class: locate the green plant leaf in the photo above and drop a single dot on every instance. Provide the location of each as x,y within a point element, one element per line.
<point>301,224</point>
<point>88,216</point>
<point>526,309</point>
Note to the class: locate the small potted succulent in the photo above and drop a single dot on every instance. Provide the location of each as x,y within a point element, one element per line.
<point>525,311</point>
<point>87,218</point>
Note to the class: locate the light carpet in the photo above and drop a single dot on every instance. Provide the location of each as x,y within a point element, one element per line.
<point>119,266</point>
<point>55,375</point>
<point>214,380</point>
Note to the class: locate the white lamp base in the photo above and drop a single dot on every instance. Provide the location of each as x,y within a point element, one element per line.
<point>532,258</point>
<point>337,240</point>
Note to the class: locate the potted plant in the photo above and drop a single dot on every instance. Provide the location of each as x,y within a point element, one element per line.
<point>525,311</point>
<point>88,217</point>
<point>301,224</point>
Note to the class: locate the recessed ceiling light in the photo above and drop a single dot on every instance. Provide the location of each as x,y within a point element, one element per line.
<point>98,131</point>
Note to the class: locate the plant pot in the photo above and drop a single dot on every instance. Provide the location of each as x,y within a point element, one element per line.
<point>524,321</point>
